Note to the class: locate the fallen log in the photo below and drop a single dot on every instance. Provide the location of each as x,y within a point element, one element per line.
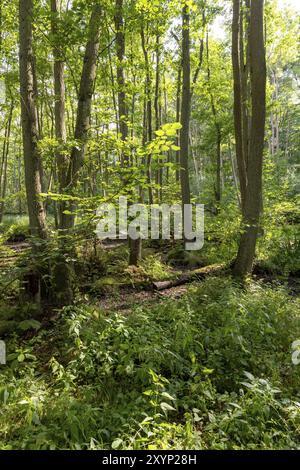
<point>189,276</point>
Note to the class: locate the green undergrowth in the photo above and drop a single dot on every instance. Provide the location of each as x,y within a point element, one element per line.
<point>212,370</point>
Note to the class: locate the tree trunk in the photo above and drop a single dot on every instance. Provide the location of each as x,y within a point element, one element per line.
<point>185,108</point>
<point>112,77</point>
<point>234,175</point>
<point>148,110</point>
<point>120,45</point>
<point>178,106</point>
<point>32,159</point>
<point>244,71</point>
<point>157,111</point>
<point>86,90</point>
<point>218,189</point>
<point>63,271</point>
<point>274,144</point>
<point>218,184</point>
<point>135,246</point>
<point>238,113</point>
<point>253,202</point>
<point>3,179</point>
<point>59,97</point>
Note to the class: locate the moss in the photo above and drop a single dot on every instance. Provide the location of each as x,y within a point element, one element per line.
<point>63,278</point>
<point>104,285</point>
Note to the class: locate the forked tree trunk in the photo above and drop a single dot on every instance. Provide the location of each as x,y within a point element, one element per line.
<point>32,158</point>
<point>33,281</point>
<point>253,200</point>
<point>63,271</point>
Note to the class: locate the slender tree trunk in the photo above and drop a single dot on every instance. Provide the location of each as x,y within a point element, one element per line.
<point>244,72</point>
<point>3,164</point>
<point>201,52</point>
<point>218,184</point>
<point>218,188</point>
<point>157,109</point>
<point>234,175</point>
<point>135,246</point>
<point>6,144</point>
<point>148,110</point>
<point>274,144</point>
<point>185,108</point>
<point>122,105</point>
<point>20,210</point>
<point>112,78</point>
<point>59,96</point>
<point>238,113</point>
<point>178,107</point>
<point>196,166</point>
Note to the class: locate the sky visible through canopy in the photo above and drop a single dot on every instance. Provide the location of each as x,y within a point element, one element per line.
<point>293,3</point>
<point>218,29</point>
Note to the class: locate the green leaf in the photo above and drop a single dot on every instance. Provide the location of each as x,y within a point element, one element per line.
<point>117,443</point>
<point>29,325</point>
<point>249,376</point>
<point>166,407</point>
<point>167,395</point>
<point>164,148</point>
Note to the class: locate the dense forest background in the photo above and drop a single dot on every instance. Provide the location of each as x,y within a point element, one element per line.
<point>142,344</point>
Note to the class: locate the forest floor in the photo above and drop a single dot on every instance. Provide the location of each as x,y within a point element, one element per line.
<point>173,354</point>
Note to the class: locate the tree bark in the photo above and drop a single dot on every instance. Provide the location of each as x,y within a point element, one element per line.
<point>135,246</point>
<point>157,111</point>
<point>253,202</point>
<point>218,184</point>
<point>3,177</point>
<point>185,107</point>
<point>237,88</point>
<point>59,97</point>
<point>274,142</point>
<point>178,107</point>
<point>120,45</point>
<point>32,158</point>
<point>82,126</point>
<point>148,110</point>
